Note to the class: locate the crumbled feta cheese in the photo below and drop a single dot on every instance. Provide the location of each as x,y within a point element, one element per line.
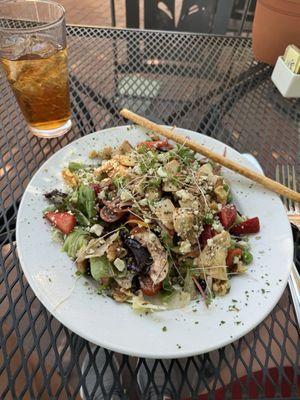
<point>217,226</point>
<point>150,154</point>
<point>147,221</point>
<point>119,264</point>
<point>125,195</point>
<point>162,157</point>
<point>101,195</point>
<point>161,172</point>
<point>244,244</point>
<point>183,194</point>
<point>97,229</point>
<point>143,202</point>
<point>152,237</point>
<point>137,170</point>
<point>210,242</point>
<point>185,247</point>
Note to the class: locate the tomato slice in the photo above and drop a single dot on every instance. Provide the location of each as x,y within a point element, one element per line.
<point>157,144</point>
<point>207,233</point>
<point>63,221</point>
<point>232,253</point>
<point>227,216</point>
<point>245,228</point>
<point>148,287</point>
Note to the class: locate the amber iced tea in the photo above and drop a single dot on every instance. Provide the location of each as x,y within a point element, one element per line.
<point>40,84</point>
<point>33,56</point>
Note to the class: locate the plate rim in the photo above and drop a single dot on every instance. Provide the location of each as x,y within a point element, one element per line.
<point>119,349</point>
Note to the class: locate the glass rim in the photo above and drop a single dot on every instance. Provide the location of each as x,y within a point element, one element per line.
<point>46,26</point>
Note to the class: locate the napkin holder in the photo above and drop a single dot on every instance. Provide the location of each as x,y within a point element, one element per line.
<point>286,81</point>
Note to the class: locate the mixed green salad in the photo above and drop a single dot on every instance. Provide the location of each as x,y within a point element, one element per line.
<point>154,225</point>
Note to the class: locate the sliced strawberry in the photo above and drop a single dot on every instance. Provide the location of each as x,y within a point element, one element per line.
<point>63,221</point>
<point>206,234</point>
<point>227,216</point>
<point>232,253</point>
<point>148,287</point>
<point>246,227</point>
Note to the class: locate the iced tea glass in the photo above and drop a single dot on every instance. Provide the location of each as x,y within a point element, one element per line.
<point>33,55</point>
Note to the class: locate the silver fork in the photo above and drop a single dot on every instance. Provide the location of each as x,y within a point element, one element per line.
<point>286,175</point>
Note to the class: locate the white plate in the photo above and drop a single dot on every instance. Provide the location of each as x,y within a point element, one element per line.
<point>193,330</point>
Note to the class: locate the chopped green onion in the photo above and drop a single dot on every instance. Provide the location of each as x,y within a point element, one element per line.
<point>247,257</point>
<point>229,197</point>
<point>226,187</point>
<point>75,166</point>
<point>142,149</point>
<point>209,218</point>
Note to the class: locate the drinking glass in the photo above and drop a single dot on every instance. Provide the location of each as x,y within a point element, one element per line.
<point>33,55</point>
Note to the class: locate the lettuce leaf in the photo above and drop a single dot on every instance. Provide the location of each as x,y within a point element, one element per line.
<point>189,286</point>
<point>101,268</point>
<point>82,220</point>
<point>179,299</point>
<point>142,306</point>
<point>75,166</point>
<point>175,300</point>
<point>167,291</point>
<point>74,242</point>
<point>86,202</point>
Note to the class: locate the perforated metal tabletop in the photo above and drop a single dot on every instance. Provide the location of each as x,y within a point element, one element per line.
<point>209,84</point>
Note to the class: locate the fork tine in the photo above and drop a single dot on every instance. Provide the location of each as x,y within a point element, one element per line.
<point>281,178</point>
<point>291,203</point>
<point>288,184</point>
<point>294,182</point>
<point>278,179</point>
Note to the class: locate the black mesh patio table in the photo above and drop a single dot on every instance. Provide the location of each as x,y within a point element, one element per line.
<point>210,84</point>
